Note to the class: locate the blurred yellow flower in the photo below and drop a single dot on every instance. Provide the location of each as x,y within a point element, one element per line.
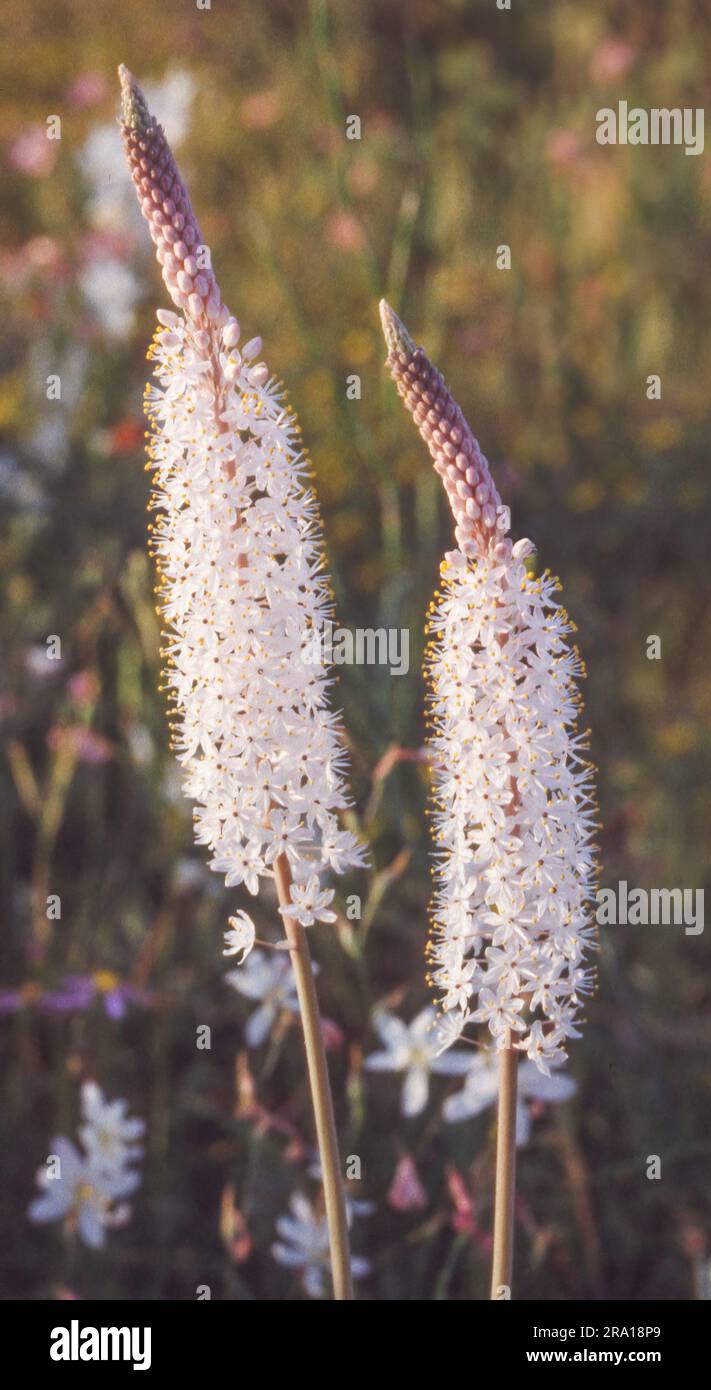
<point>357,346</point>
<point>660,434</point>
<point>587,494</point>
<point>677,738</point>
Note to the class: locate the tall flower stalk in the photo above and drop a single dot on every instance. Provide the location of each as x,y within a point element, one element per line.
<point>238,546</point>
<point>513,792</point>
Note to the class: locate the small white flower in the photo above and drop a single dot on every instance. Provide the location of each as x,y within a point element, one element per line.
<point>449,1029</point>
<point>108,1134</point>
<point>82,1189</point>
<point>266,977</point>
<point>413,1049</point>
<point>81,1194</point>
<point>240,938</point>
<point>500,1012</point>
<point>303,1245</point>
<point>544,1049</point>
<point>481,1089</point>
<point>243,865</point>
<point>309,903</point>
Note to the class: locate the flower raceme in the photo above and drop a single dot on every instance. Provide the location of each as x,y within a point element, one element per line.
<point>514,799</point>
<point>238,546</point>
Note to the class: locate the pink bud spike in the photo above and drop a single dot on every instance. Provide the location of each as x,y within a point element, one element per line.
<point>438,418</point>
<point>171,220</point>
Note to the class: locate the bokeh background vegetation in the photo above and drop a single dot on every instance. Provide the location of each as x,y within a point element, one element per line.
<point>478,129</point>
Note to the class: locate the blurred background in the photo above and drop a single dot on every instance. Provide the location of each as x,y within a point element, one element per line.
<point>478,129</point>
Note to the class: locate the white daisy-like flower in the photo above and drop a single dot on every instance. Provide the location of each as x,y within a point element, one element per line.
<point>76,1191</point>
<point>303,1245</point>
<point>481,1089</point>
<point>108,1133</point>
<point>85,1189</point>
<point>266,978</point>
<point>240,938</point>
<point>414,1049</point>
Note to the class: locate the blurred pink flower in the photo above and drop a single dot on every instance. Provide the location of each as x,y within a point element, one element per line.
<point>83,687</point>
<point>464,1219</point>
<point>104,242</point>
<point>87,89</point>
<point>43,253</point>
<point>261,110</point>
<point>363,177</point>
<point>327,139</point>
<point>41,260</point>
<point>406,1191</point>
<point>32,153</point>
<point>612,58</point>
<point>86,745</point>
<point>563,147</point>
<point>332,1034</point>
<point>344,231</point>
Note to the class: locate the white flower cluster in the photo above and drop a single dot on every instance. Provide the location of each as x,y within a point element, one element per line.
<point>82,1188</point>
<point>514,801</point>
<point>238,546</point>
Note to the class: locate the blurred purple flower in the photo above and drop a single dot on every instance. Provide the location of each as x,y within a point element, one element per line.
<point>12,1000</point>
<point>77,992</point>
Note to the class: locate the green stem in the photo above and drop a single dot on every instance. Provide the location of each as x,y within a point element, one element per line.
<point>502,1261</point>
<point>320,1090</point>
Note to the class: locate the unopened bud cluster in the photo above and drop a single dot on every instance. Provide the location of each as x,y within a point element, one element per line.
<point>481,522</point>
<point>166,207</point>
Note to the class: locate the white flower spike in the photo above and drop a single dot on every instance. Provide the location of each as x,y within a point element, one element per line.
<point>514,800</point>
<point>238,545</point>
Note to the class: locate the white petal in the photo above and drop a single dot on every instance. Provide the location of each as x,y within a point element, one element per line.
<point>415,1091</point>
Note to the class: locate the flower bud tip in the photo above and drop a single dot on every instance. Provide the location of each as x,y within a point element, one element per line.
<point>134,109</point>
<point>397,337</point>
